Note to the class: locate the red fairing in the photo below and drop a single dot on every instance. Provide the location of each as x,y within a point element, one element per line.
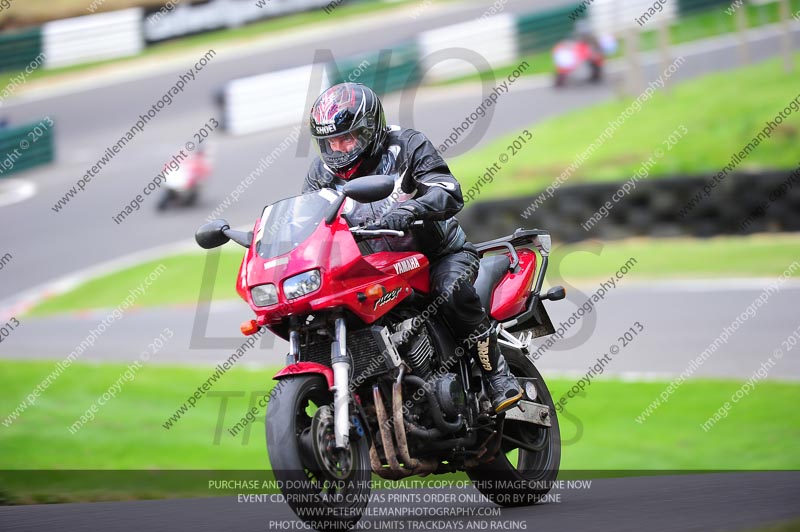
<point>241,280</point>
<point>411,266</point>
<point>578,52</point>
<point>368,286</point>
<point>511,294</point>
<point>301,368</point>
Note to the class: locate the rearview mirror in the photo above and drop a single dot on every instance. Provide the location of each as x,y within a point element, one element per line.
<point>212,234</point>
<point>369,188</point>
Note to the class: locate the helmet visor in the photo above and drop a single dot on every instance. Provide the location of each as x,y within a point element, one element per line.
<point>342,150</point>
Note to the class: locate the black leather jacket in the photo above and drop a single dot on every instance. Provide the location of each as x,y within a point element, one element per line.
<point>423,183</point>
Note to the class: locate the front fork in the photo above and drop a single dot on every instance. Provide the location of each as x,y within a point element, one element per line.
<point>341,385</point>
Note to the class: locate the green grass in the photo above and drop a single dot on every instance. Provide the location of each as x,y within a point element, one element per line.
<point>751,256</point>
<point>722,113</point>
<point>180,283</point>
<point>786,526</point>
<point>599,429</point>
<point>127,432</point>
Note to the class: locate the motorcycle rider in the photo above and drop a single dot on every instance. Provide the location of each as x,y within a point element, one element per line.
<point>349,128</point>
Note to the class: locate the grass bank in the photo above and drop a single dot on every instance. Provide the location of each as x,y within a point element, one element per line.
<point>718,126</point>
<point>599,429</point>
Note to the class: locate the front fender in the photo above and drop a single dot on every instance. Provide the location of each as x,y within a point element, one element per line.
<point>306,367</point>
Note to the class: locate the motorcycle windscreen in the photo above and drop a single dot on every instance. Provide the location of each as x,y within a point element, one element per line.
<point>288,223</point>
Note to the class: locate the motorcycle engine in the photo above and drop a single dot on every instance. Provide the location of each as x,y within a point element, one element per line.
<point>449,392</point>
<point>419,354</point>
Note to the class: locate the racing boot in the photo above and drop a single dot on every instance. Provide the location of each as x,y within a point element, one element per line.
<point>502,386</point>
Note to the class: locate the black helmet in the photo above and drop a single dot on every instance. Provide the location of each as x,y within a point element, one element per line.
<point>349,111</point>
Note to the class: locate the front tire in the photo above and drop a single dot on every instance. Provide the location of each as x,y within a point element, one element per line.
<point>325,501</point>
<point>519,477</point>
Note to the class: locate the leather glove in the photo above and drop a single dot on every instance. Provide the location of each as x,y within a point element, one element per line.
<point>398,219</point>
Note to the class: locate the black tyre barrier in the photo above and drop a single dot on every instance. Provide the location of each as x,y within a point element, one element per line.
<point>742,203</point>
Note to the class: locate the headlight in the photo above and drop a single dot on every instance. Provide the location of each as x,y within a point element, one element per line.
<point>302,284</point>
<point>264,295</point>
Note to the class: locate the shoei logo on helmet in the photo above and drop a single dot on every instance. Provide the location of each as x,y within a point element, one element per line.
<point>324,130</point>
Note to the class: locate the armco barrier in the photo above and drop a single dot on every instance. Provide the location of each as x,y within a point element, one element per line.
<point>540,31</point>
<point>688,7</point>
<point>493,40</point>
<point>616,16</point>
<point>248,103</point>
<point>19,49</point>
<point>198,17</point>
<point>735,206</point>
<point>92,38</point>
<point>385,71</point>
<point>19,151</point>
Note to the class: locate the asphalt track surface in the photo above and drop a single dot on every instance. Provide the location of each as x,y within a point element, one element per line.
<point>47,245</point>
<point>685,503</point>
<point>678,320</point>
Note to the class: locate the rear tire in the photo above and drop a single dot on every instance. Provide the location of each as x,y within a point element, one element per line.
<point>166,199</point>
<point>524,479</point>
<point>597,73</point>
<point>322,501</point>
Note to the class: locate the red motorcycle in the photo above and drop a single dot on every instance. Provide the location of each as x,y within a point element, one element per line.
<point>374,380</point>
<point>579,58</point>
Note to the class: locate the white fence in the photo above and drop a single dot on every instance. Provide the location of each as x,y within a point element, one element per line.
<point>92,38</point>
<point>272,100</point>
<point>185,18</point>
<point>616,16</point>
<point>495,39</point>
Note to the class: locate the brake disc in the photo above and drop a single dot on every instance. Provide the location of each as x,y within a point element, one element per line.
<point>335,463</point>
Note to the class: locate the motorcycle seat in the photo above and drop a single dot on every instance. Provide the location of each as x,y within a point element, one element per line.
<point>492,270</point>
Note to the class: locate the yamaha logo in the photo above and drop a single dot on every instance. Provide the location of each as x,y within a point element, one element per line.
<point>406,265</point>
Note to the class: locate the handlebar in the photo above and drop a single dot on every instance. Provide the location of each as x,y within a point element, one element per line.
<point>360,231</point>
<point>376,230</point>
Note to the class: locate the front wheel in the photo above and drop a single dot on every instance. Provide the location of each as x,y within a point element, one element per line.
<point>326,488</point>
<point>517,476</point>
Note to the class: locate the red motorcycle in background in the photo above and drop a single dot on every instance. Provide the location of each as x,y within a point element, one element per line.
<point>374,380</point>
<point>582,59</point>
<point>184,183</point>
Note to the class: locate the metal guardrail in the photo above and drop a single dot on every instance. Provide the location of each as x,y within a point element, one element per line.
<point>19,48</point>
<point>25,147</point>
<point>384,71</point>
<point>540,31</point>
<point>460,49</point>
